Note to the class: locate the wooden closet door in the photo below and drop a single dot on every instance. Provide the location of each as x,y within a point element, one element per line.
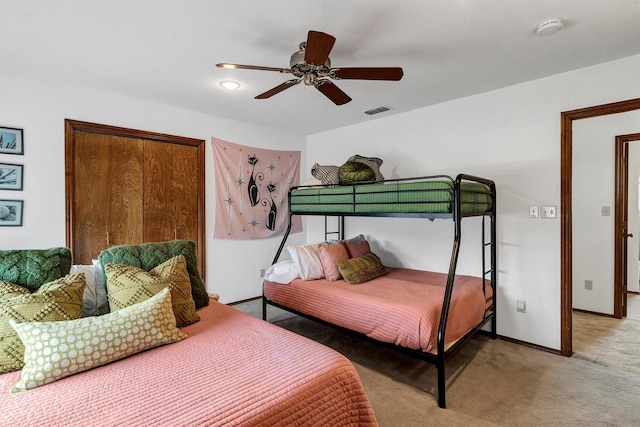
<point>171,191</point>
<point>107,193</point>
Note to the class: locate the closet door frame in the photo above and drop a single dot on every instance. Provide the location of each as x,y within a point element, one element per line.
<point>73,126</point>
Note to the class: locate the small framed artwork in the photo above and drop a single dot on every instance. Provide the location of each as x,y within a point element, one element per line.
<point>11,213</point>
<point>11,176</point>
<point>11,141</point>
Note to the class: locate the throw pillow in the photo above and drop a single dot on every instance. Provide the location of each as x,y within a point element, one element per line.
<point>128,285</point>
<point>31,268</point>
<point>362,269</point>
<point>55,350</point>
<point>307,261</point>
<point>373,162</point>
<point>328,175</point>
<point>356,248</point>
<point>330,254</point>
<point>351,172</point>
<point>57,300</point>
<point>148,255</point>
<point>90,300</point>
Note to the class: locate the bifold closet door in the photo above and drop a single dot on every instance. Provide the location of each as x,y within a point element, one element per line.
<point>171,191</point>
<point>107,193</point>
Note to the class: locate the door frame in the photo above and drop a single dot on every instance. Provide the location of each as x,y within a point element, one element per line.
<point>566,224</point>
<point>73,126</point>
<point>621,223</point>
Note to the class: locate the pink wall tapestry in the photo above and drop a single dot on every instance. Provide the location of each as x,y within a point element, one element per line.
<point>251,187</point>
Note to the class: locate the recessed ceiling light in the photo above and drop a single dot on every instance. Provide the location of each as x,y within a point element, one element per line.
<point>231,85</point>
<point>550,26</point>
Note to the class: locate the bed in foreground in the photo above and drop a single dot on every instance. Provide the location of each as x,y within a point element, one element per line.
<point>232,369</point>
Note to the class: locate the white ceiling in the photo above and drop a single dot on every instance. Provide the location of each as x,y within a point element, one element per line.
<point>166,50</point>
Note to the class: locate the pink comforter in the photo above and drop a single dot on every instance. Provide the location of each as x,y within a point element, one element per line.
<point>233,369</point>
<point>402,307</point>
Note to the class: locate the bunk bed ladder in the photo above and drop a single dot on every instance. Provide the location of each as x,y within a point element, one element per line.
<point>491,271</point>
<point>338,234</point>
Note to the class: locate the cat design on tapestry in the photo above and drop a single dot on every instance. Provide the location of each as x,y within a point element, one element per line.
<point>251,187</point>
<point>273,211</point>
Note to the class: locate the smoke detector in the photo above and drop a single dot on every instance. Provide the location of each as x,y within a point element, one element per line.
<point>550,26</point>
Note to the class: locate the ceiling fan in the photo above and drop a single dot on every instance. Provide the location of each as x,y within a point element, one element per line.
<point>311,65</point>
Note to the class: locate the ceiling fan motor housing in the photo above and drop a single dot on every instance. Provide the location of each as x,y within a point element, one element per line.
<point>301,68</point>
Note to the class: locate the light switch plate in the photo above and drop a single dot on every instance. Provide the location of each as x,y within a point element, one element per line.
<point>548,212</point>
<point>534,211</point>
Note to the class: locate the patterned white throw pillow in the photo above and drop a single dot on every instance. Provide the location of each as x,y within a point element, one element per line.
<point>54,350</point>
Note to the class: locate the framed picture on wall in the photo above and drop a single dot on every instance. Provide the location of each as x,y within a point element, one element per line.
<point>11,213</point>
<point>11,176</point>
<point>11,141</point>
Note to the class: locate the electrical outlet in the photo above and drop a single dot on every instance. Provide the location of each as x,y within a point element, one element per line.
<point>521,306</point>
<point>262,272</point>
<point>588,285</point>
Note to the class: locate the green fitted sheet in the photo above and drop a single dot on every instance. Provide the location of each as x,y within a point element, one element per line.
<point>431,197</point>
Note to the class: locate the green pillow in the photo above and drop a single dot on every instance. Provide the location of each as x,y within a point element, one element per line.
<point>31,268</point>
<point>128,285</point>
<point>361,269</point>
<point>352,172</point>
<point>149,255</point>
<point>57,300</point>
<point>96,340</point>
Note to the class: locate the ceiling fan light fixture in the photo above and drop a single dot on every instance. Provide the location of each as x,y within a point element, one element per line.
<point>229,84</point>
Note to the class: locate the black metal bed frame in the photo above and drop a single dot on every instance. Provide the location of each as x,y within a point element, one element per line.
<point>488,268</point>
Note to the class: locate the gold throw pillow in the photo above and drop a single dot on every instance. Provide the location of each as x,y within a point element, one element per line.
<point>128,285</point>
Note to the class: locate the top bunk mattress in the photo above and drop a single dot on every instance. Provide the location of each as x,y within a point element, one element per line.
<point>424,196</point>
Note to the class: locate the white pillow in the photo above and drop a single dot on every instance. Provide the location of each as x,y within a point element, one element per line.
<point>307,261</point>
<point>89,301</point>
<point>54,350</point>
<point>282,272</point>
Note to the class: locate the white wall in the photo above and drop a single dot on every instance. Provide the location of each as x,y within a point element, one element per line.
<point>40,107</point>
<point>593,188</point>
<point>511,135</point>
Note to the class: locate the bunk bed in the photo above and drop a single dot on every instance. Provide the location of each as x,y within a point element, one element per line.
<point>430,197</point>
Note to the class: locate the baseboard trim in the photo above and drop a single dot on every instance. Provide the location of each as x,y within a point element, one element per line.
<point>595,313</point>
<point>530,345</point>
<point>244,300</point>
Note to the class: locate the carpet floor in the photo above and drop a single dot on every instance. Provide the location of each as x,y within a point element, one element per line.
<point>497,382</point>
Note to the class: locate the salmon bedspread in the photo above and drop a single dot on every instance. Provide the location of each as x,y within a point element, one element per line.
<point>402,307</point>
<point>233,369</point>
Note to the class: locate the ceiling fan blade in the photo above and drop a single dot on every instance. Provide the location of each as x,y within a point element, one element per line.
<point>278,89</point>
<point>333,92</point>
<point>318,47</point>
<point>369,73</point>
<point>253,67</point>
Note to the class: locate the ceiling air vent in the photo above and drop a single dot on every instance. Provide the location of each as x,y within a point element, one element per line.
<point>377,110</point>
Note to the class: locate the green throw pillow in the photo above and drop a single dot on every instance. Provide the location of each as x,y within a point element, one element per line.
<point>149,255</point>
<point>352,172</point>
<point>57,300</point>
<point>31,268</point>
<point>128,285</point>
<point>361,269</point>
<point>55,350</point>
